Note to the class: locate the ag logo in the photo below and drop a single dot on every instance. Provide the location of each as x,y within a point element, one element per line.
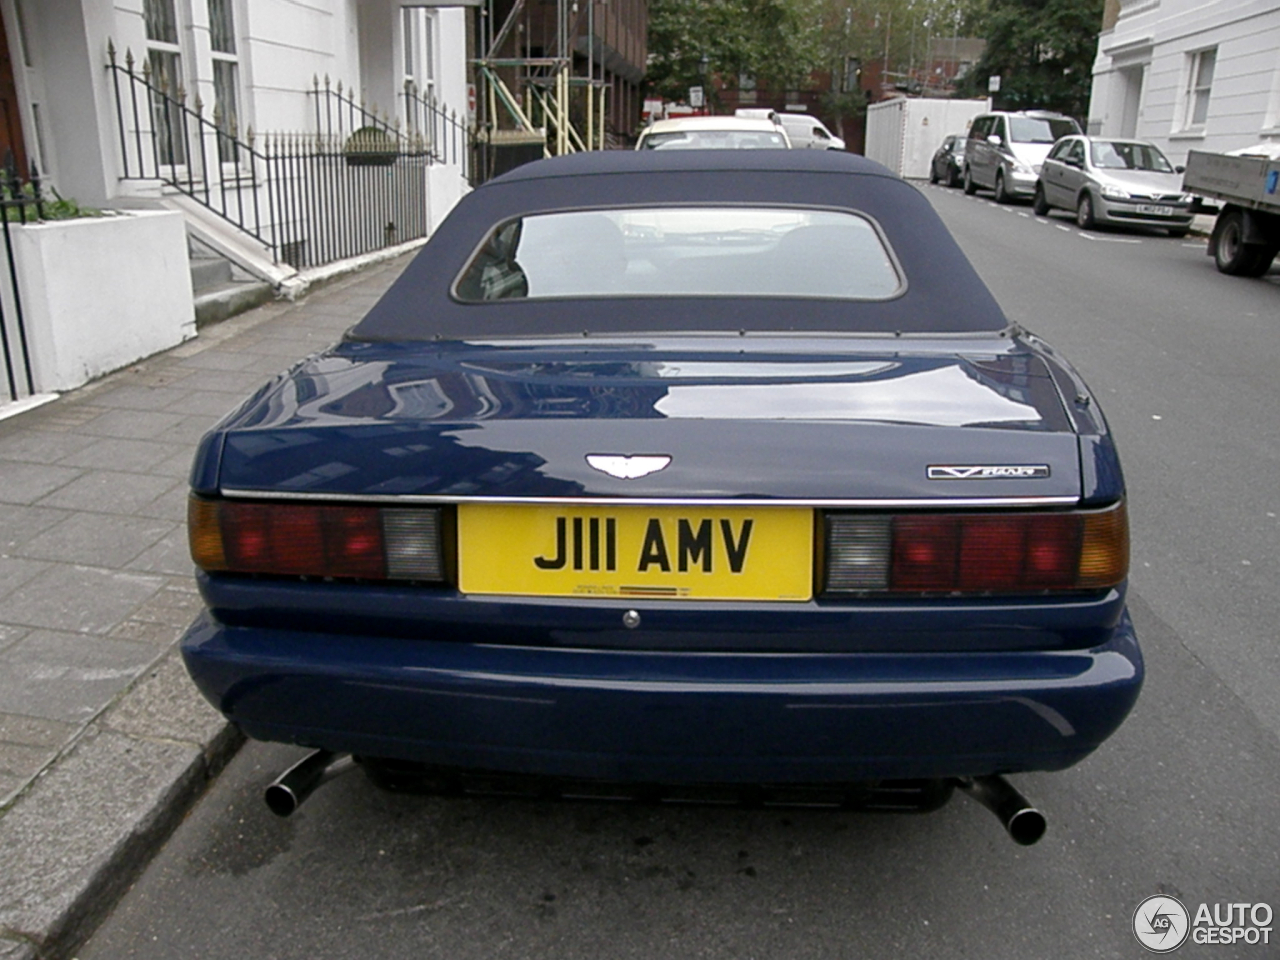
<point>1161,923</point>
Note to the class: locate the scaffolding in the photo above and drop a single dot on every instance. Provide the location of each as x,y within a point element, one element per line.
<point>542,95</point>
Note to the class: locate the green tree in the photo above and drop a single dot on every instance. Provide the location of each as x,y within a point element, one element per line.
<point>1043,52</point>
<point>692,41</point>
<point>894,35</point>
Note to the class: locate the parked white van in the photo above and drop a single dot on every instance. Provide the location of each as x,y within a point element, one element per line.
<point>808,132</point>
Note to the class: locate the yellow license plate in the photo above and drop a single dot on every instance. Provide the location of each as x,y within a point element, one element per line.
<point>695,553</point>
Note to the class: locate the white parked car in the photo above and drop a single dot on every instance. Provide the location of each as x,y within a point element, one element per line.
<point>713,133</point>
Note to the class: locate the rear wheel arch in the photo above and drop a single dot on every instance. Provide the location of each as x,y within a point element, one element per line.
<point>1233,253</point>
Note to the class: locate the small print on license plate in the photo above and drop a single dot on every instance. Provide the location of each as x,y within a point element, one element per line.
<point>693,553</point>
<point>1154,211</point>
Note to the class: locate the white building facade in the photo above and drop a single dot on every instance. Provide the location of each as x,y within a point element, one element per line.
<point>1188,74</point>
<point>244,149</point>
<point>252,69</point>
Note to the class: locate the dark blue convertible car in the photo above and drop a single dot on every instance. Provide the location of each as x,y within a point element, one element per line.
<point>669,470</point>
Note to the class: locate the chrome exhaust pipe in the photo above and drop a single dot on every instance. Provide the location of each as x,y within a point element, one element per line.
<point>1024,822</point>
<point>288,791</point>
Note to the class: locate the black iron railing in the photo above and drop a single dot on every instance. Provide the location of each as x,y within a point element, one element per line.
<point>428,126</point>
<point>163,138</point>
<point>334,197</point>
<point>21,202</point>
<point>448,139</point>
<point>357,183</point>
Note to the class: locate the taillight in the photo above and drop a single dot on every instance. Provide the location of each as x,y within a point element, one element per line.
<point>319,540</point>
<point>976,553</point>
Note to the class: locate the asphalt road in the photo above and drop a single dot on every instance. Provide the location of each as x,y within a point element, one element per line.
<point>1184,800</point>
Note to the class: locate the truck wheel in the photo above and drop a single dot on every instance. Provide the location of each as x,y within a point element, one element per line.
<point>970,188</point>
<point>1040,205</point>
<point>1084,212</point>
<point>1231,254</point>
<point>1002,195</point>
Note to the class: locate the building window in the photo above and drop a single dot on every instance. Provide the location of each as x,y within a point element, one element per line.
<point>1199,85</point>
<point>1271,124</point>
<point>418,29</point>
<point>226,77</point>
<point>164,56</point>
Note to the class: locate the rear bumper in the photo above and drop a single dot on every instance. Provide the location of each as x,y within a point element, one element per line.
<point>673,716</point>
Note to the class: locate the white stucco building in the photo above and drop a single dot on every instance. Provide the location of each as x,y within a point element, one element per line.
<point>1188,74</point>
<point>247,66</point>
<point>248,145</point>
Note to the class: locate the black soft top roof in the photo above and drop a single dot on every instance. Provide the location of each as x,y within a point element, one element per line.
<point>943,294</point>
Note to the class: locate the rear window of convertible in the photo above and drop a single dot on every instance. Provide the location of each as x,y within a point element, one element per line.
<point>682,251</point>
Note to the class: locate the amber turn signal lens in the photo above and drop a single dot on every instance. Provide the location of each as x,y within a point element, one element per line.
<point>1104,554</point>
<point>204,533</point>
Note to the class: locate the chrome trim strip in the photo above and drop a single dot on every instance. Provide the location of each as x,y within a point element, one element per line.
<point>827,504</point>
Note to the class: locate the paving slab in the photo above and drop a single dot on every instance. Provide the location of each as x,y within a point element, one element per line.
<point>104,741</point>
<point>78,598</point>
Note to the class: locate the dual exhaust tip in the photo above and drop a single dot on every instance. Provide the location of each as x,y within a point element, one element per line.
<point>1023,822</point>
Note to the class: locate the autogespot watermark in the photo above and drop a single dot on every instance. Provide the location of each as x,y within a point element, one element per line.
<point>1162,924</point>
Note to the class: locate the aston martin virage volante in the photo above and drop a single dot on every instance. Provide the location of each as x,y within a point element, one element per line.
<point>674,469</point>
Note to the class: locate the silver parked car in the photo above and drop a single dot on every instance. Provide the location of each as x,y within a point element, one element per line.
<point>1125,182</point>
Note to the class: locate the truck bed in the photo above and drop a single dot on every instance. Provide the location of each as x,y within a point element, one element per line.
<point>1252,182</point>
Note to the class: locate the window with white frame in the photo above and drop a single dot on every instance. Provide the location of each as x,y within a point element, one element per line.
<point>1199,87</point>
<point>226,76</point>
<point>1271,124</point>
<point>419,41</point>
<point>164,57</point>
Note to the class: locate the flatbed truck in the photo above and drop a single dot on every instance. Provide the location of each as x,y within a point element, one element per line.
<point>1246,235</point>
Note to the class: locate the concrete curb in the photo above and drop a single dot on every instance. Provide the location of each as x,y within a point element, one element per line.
<point>105,744</point>
<point>139,767</point>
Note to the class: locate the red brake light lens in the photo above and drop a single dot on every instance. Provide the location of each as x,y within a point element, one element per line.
<point>321,540</point>
<point>977,553</point>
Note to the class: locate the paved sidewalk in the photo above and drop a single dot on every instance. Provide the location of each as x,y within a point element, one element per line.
<point>104,742</point>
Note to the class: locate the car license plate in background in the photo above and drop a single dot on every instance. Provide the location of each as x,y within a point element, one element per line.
<point>1155,211</point>
<point>694,553</point>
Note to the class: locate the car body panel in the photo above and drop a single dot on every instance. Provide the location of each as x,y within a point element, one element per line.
<point>662,716</point>
<point>926,402</point>
<point>868,424</point>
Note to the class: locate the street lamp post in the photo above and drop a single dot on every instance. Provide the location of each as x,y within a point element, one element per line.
<point>704,66</point>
